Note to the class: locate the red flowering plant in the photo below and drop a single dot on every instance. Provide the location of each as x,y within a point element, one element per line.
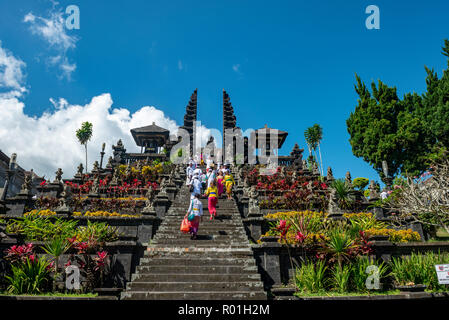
<point>26,273</point>
<point>92,266</point>
<point>46,202</point>
<point>21,253</point>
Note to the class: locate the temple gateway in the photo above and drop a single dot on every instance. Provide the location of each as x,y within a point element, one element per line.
<point>157,142</point>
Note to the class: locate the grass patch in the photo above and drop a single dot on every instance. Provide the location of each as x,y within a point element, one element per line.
<point>346,294</point>
<point>55,294</point>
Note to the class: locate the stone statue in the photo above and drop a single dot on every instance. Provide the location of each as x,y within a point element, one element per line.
<point>115,177</point>
<point>294,175</point>
<point>139,166</point>
<point>283,171</point>
<point>330,176</point>
<point>253,204</point>
<point>304,164</point>
<point>27,185</point>
<point>163,184</point>
<point>64,201</point>
<point>96,166</point>
<point>348,179</point>
<point>58,178</point>
<point>80,170</point>
<point>373,191</point>
<point>315,169</point>
<point>333,206</point>
<point>246,187</point>
<point>95,186</point>
<point>120,143</point>
<point>109,164</point>
<point>128,171</point>
<point>149,209</point>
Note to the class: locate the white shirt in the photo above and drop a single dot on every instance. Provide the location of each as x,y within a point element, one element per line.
<point>196,186</point>
<point>211,177</point>
<point>196,207</point>
<point>209,162</point>
<point>189,171</point>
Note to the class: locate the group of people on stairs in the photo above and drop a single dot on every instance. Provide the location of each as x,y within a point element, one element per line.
<point>214,182</point>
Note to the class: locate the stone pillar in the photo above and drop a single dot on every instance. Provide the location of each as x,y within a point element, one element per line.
<point>161,204</point>
<point>16,205</point>
<point>267,257</point>
<point>171,189</point>
<point>254,227</point>
<point>244,203</point>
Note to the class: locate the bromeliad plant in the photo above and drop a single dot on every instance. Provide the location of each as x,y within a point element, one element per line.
<point>92,260</point>
<point>29,274</point>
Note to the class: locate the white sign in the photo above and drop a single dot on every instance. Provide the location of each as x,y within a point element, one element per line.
<point>442,273</point>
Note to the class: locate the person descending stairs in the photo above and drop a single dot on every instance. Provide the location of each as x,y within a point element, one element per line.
<point>218,265</point>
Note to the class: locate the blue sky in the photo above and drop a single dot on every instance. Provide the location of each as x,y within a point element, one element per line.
<point>288,64</point>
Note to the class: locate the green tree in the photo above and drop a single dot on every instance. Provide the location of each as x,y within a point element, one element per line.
<point>405,133</point>
<point>313,136</point>
<point>84,134</point>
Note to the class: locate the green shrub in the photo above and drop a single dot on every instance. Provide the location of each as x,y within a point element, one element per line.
<point>29,277</point>
<point>418,269</point>
<point>342,193</point>
<point>101,232</point>
<point>360,183</point>
<point>42,229</point>
<point>311,277</point>
<point>359,273</point>
<point>340,277</point>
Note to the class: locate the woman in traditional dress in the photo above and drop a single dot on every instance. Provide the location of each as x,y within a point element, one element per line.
<point>196,209</point>
<point>220,183</point>
<point>212,193</point>
<point>229,182</point>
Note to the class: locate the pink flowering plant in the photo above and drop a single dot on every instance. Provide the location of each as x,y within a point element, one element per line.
<point>28,273</point>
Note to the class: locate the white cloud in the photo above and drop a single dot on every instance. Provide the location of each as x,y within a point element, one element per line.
<point>180,66</point>
<point>53,31</point>
<point>48,142</point>
<point>236,68</point>
<point>11,74</point>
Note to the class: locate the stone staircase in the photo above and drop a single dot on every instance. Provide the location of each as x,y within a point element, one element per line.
<point>219,265</point>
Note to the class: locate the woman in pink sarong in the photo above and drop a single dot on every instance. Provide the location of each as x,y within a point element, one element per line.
<point>220,185</point>
<point>196,210</point>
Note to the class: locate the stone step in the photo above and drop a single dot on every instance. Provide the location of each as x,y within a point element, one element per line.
<point>197,269</point>
<point>203,234</point>
<point>206,295</point>
<point>206,221</point>
<point>197,261</point>
<point>209,226</point>
<point>197,252</point>
<point>194,286</point>
<point>179,277</point>
<point>206,232</point>
<point>200,244</point>
<point>200,240</point>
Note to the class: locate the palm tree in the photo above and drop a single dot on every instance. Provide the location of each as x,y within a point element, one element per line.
<point>84,134</point>
<point>313,136</point>
<point>319,137</point>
